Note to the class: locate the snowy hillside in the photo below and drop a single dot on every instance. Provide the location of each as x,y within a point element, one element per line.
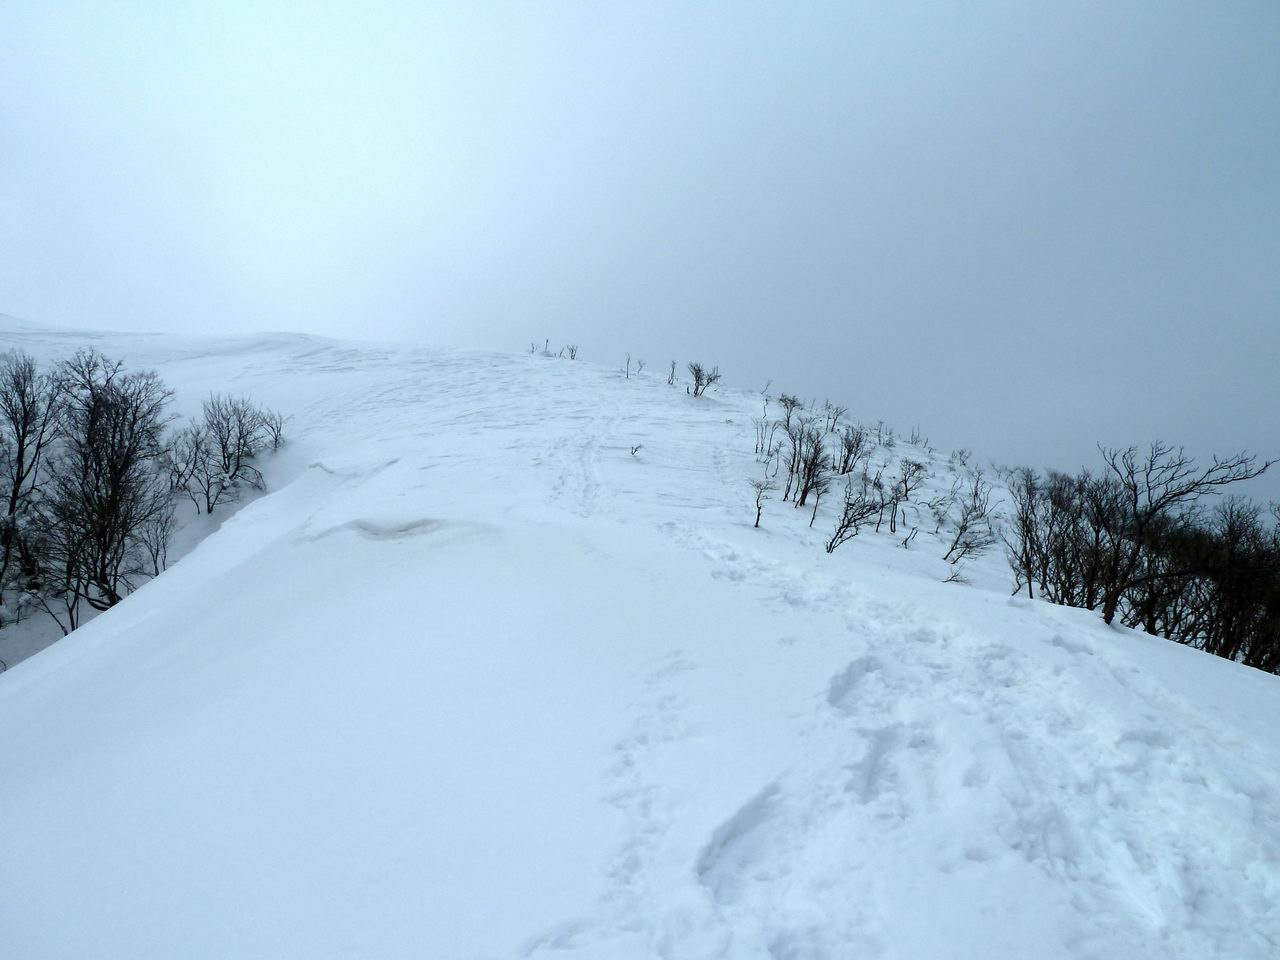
<point>474,680</point>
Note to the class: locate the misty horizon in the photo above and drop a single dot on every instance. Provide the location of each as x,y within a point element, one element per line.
<point>1024,230</point>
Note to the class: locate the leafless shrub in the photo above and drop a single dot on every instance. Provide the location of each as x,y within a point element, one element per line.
<point>811,461</point>
<point>861,503</point>
<point>703,378</point>
<point>940,506</point>
<point>832,413</point>
<point>798,435</point>
<point>911,476</point>
<point>765,429</point>
<point>855,448</point>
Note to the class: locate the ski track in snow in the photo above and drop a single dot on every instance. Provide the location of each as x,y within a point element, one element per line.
<point>774,753</point>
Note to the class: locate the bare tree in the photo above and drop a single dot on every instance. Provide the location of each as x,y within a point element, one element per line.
<point>762,488</point>
<point>671,377</point>
<point>821,484</point>
<point>181,457</point>
<point>273,426</point>
<point>789,404</point>
<point>1022,539</point>
<point>974,534</point>
<point>155,534</point>
<point>237,431</point>
<point>28,427</point>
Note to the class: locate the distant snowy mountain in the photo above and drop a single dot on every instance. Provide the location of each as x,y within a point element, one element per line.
<point>476,678</point>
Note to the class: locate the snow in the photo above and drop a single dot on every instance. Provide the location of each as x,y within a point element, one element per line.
<point>474,681</point>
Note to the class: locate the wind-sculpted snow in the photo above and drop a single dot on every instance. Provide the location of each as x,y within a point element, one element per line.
<point>474,680</point>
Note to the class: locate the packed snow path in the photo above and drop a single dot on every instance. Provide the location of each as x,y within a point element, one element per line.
<point>476,681</point>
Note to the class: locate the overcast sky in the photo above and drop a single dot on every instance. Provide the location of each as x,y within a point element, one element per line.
<point>1025,227</point>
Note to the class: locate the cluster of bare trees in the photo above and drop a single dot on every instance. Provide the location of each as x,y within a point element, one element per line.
<point>1137,541</point>
<point>211,460</point>
<point>89,478</point>
<point>817,450</point>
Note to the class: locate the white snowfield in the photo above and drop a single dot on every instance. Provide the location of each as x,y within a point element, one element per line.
<point>474,681</point>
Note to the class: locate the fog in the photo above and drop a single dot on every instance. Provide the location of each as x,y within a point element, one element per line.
<point>1024,228</point>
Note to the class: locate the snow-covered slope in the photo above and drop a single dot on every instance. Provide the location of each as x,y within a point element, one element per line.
<point>475,681</point>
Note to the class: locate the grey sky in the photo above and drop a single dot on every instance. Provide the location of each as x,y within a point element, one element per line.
<point>1023,226</point>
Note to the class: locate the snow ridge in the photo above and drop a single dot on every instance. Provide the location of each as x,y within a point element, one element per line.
<point>476,680</point>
